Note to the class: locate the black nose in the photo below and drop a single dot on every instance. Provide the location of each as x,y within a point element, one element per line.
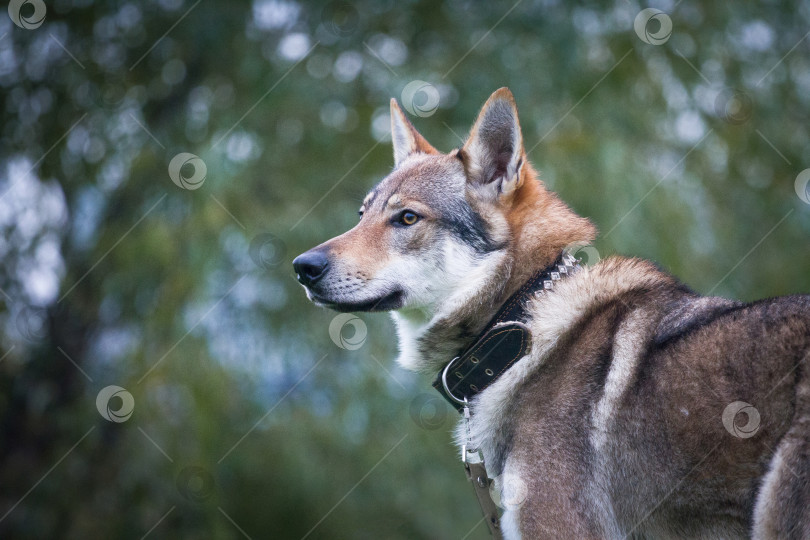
<point>310,267</point>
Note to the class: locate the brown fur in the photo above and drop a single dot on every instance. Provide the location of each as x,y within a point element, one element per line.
<point>542,226</point>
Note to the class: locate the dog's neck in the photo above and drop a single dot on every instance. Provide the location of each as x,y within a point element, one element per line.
<point>428,340</point>
<point>540,226</point>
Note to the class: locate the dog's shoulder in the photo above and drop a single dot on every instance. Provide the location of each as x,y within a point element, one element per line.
<point>626,281</point>
<point>553,318</point>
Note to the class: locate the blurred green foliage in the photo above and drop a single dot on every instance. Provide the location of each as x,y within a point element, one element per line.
<point>249,421</point>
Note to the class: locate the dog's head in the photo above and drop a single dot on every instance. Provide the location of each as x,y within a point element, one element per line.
<point>437,224</point>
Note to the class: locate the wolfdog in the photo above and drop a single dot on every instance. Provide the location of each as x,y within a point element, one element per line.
<point>616,401</point>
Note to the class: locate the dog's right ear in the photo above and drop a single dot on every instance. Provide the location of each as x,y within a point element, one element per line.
<point>405,138</point>
<point>493,154</point>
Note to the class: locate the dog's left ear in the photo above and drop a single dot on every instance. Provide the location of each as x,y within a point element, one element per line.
<point>405,138</point>
<point>493,154</point>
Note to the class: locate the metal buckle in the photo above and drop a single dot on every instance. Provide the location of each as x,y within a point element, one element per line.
<point>471,456</point>
<point>447,388</point>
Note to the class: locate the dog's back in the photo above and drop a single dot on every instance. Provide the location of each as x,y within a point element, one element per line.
<point>656,415</point>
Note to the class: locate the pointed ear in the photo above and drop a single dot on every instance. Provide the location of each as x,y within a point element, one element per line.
<point>493,154</point>
<point>405,138</point>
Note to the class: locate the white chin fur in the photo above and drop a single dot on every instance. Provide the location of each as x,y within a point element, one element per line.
<point>408,330</point>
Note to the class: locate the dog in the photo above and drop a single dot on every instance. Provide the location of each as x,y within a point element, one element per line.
<point>634,407</point>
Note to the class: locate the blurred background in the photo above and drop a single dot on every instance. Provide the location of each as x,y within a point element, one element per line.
<point>162,375</point>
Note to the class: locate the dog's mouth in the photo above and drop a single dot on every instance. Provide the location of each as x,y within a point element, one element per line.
<point>387,302</point>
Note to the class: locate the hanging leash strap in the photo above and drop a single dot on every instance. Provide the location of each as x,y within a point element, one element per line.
<point>481,483</point>
<point>504,341</point>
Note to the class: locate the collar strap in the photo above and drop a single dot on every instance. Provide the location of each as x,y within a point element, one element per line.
<point>504,341</point>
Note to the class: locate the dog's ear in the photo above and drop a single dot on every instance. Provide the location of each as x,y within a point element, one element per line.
<point>493,154</point>
<point>405,138</point>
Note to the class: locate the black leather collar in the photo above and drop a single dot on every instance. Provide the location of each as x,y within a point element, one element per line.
<point>503,342</point>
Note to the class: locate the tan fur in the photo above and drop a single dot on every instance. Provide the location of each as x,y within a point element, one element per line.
<point>363,248</point>
<point>395,201</point>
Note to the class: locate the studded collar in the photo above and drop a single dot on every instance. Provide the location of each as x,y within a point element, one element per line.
<point>504,340</point>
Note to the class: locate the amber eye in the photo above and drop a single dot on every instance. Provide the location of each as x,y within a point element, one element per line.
<point>408,218</point>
